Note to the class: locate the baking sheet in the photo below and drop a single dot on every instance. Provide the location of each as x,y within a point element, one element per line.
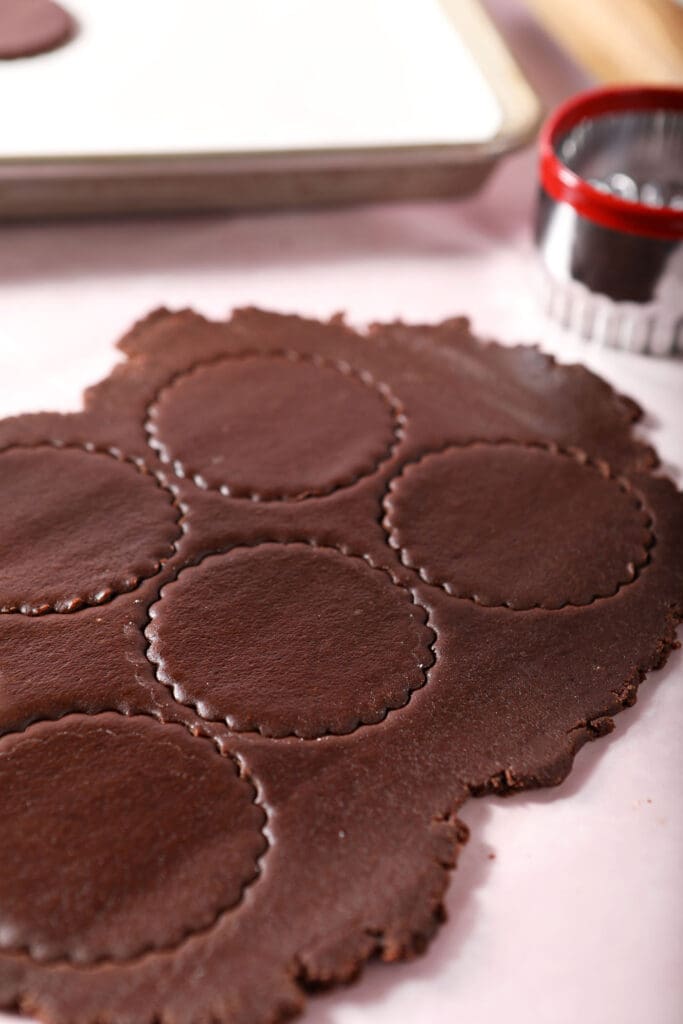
<point>247,76</point>
<point>152,101</point>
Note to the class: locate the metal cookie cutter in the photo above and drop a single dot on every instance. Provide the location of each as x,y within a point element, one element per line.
<point>610,217</point>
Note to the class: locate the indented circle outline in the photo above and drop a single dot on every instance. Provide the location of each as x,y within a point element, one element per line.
<point>576,454</point>
<point>109,595</point>
<point>193,704</point>
<point>365,377</point>
<point>241,776</point>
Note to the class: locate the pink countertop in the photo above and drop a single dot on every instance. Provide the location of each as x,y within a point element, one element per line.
<point>567,905</point>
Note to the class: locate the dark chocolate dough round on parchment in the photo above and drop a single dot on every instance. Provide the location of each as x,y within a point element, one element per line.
<point>31,27</point>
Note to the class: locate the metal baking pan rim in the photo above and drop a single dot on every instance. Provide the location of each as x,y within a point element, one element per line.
<point>123,183</point>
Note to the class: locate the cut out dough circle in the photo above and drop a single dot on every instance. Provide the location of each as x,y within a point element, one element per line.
<point>273,426</point>
<point>31,27</point>
<point>120,835</point>
<point>294,640</point>
<point>517,525</point>
<point>97,526</point>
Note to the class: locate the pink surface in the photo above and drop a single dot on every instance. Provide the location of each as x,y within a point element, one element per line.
<point>567,905</point>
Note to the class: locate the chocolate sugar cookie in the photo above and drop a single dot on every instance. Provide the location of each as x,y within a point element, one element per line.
<point>273,606</point>
<point>30,27</point>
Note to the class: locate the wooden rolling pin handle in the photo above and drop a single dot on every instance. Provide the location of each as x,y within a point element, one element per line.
<point>619,40</point>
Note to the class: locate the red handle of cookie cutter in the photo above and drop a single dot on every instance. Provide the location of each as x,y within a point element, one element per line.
<point>565,185</point>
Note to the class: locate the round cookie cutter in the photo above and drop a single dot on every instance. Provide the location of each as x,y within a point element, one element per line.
<point>610,217</point>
